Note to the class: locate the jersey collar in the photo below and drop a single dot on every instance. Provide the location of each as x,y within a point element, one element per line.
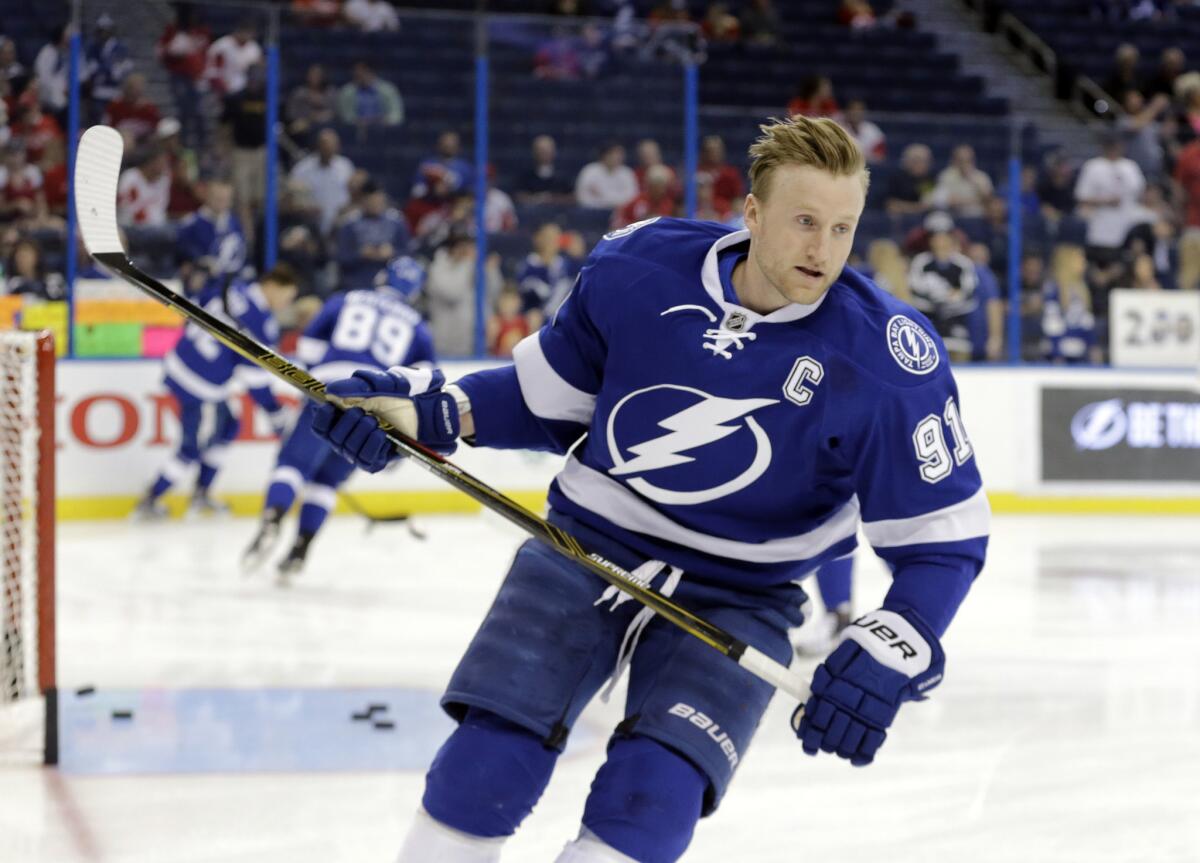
<point>710,275</point>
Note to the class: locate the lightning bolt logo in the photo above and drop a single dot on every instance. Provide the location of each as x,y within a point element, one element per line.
<point>709,420</point>
<point>692,427</point>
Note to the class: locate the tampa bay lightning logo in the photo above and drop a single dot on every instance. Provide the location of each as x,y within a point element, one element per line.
<point>671,425</point>
<point>911,346</point>
<point>1100,425</point>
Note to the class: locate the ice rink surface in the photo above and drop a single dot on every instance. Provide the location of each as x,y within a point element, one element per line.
<point>1068,727</point>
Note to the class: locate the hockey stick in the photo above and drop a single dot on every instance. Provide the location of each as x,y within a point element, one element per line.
<point>97,167</point>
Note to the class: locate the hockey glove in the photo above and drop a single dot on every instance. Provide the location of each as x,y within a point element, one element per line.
<point>885,658</point>
<point>411,400</point>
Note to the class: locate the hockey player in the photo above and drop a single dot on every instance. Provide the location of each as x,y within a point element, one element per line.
<point>202,373</point>
<point>211,243</point>
<point>367,329</point>
<point>747,399</point>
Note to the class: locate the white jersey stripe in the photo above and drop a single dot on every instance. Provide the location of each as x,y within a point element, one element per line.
<point>610,499</point>
<point>545,392</point>
<point>192,382</point>
<point>968,519</point>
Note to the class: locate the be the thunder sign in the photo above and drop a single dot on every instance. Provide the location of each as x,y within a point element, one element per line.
<point>1139,435</point>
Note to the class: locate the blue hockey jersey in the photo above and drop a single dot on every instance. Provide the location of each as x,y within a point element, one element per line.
<point>364,329</point>
<point>204,367</point>
<point>217,243</point>
<point>745,448</point>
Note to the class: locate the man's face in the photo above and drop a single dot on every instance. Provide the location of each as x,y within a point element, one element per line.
<point>220,197</point>
<point>448,145</point>
<point>942,245</point>
<point>802,233</point>
<point>279,295</point>
<point>613,157</point>
<point>327,144</point>
<point>714,150</point>
<point>375,203</point>
<point>543,150</point>
<point>547,239</point>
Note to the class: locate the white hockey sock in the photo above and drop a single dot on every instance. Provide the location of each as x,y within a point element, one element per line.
<point>430,840</point>
<point>588,848</point>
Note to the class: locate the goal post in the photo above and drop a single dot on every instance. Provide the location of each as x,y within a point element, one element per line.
<point>28,693</point>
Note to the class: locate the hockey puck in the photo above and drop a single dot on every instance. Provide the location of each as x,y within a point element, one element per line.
<point>85,690</point>
<point>122,714</point>
<point>384,725</point>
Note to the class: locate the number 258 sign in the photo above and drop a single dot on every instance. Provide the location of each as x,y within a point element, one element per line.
<point>1155,328</point>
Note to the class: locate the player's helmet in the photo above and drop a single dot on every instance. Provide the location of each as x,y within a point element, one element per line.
<point>404,275</point>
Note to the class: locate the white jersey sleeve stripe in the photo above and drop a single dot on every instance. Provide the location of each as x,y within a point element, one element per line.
<point>310,350</point>
<point>192,382</point>
<point>611,500</point>
<point>253,376</point>
<point>546,394</point>
<point>968,519</point>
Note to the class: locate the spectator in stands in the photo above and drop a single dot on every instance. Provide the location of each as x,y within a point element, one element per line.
<point>181,162</point>
<point>856,14</point>
<point>655,200</point>
<point>761,24</point>
<point>456,171</point>
<point>245,118</point>
<point>1124,75</point>
<point>1141,275</point>
<point>721,26</point>
<point>230,58</point>
<point>300,244</point>
<point>22,198</point>
<point>36,129</point>
<point>27,276</point>
<point>726,181</point>
<point>649,155</point>
<point>51,68</point>
<point>144,192</point>
<point>1068,325</point>
<point>107,65</point>
<point>943,286</point>
<point>543,182</point>
<point>867,135</point>
<point>814,98</point>
<point>371,16</point>
<point>499,213</point>
<point>557,58</point>
<point>326,174</point>
<point>366,242</point>
<point>608,182</point>
<point>1056,188</point>
<point>11,69</point>
<point>368,100</point>
<point>708,206</point>
<point>434,226</point>
<point>508,325</point>
<point>986,323</point>
<point>1171,65</point>
<point>545,277</point>
<point>910,188</point>
<point>450,293</point>
<point>1141,131</point>
<point>962,188</point>
<point>183,50</point>
<point>310,106</point>
<point>1189,119</point>
<point>53,166</point>
<point>132,113</point>
<point>1107,194</point>
<point>889,268</point>
<point>1189,262</point>
<point>317,13</point>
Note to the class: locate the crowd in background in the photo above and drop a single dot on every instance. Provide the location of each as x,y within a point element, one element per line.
<point>1128,217</point>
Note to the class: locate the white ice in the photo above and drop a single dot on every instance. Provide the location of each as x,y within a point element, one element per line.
<point>1067,729</point>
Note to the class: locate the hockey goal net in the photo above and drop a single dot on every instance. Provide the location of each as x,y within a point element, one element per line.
<point>27,685</point>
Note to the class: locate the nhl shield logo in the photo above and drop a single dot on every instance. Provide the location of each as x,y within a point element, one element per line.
<point>736,322</point>
<point>912,348</point>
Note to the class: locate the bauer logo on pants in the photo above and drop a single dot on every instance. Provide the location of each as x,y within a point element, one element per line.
<point>704,723</point>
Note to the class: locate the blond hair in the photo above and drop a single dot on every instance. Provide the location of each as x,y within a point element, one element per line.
<point>816,142</point>
<point>1070,284</point>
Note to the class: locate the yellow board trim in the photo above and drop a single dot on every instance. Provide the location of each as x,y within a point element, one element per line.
<point>385,503</point>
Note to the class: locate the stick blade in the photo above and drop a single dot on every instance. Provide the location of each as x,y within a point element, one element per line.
<point>97,168</point>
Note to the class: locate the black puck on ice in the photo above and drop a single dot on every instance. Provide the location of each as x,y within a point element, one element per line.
<point>384,725</point>
<point>122,714</point>
<point>85,690</point>
<point>371,710</point>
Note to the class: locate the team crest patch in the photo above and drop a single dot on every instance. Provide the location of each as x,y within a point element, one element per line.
<point>736,322</point>
<point>912,348</point>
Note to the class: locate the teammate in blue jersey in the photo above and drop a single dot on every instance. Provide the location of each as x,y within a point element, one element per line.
<point>202,374</point>
<point>365,329</point>
<point>733,405</point>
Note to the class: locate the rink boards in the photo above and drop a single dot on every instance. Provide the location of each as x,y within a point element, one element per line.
<point>1047,439</point>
